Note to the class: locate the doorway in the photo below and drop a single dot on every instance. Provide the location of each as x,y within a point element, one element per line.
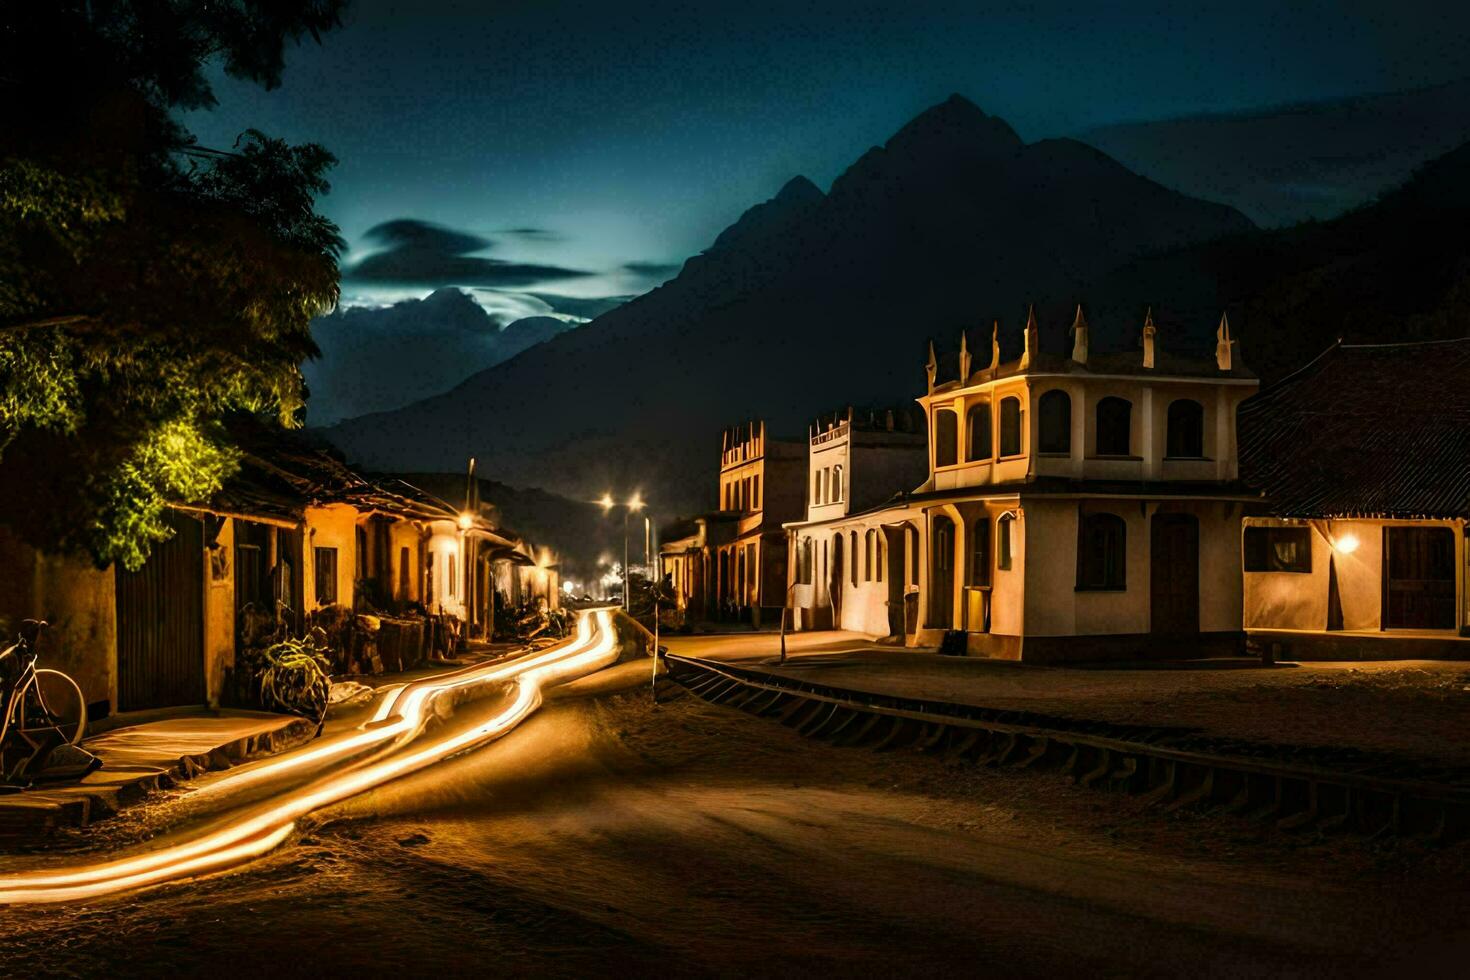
<point>1419,578</point>
<point>160,623</point>
<point>834,581</point>
<point>1174,574</point>
<point>941,575</point>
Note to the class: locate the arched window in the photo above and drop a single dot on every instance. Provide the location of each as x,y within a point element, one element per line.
<point>854,551</point>
<point>1114,427</point>
<point>979,531</point>
<point>817,488</point>
<point>868,556</point>
<point>803,562</point>
<point>1003,526</point>
<point>946,437</point>
<point>881,555</point>
<point>837,484</point>
<point>1010,426</point>
<point>1186,437</point>
<point>1054,416</point>
<point>977,432</point>
<point>1102,546</point>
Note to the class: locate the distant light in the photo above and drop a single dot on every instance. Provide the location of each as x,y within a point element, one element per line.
<point>1347,544</point>
<point>567,588</point>
<point>636,503</point>
<point>466,521</point>
<point>606,501</point>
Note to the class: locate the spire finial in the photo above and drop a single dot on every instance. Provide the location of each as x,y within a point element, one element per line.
<point>1079,337</point>
<point>1222,343</point>
<point>964,358</point>
<point>931,368</point>
<point>1033,339</point>
<point>994,345</point>
<point>1148,338</point>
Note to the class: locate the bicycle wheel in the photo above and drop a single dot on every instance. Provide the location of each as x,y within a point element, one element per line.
<point>51,702</point>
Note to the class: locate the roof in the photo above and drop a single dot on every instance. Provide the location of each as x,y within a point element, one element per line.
<point>1377,430</point>
<point>283,472</point>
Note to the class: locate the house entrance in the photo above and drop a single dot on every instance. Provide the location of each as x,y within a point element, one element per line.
<point>1174,574</point>
<point>1418,578</point>
<point>160,623</point>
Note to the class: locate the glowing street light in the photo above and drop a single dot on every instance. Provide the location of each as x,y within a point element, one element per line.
<point>635,503</point>
<point>466,521</point>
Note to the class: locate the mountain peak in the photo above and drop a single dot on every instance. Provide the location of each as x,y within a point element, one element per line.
<point>799,190</point>
<point>959,119</point>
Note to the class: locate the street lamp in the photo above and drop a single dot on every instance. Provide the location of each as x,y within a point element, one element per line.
<point>634,503</point>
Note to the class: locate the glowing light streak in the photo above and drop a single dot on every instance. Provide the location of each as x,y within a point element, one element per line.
<point>264,828</point>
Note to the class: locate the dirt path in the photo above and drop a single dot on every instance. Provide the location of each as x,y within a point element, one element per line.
<point>606,837</point>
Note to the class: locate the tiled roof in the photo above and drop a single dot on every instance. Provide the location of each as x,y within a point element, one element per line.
<point>1365,431</point>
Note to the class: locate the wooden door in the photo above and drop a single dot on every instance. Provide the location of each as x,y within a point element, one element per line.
<point>1419,578</point>
<point>160,623</point>
<point>1174,574</point>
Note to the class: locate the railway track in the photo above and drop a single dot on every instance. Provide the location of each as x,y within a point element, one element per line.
<point>1295,787</point>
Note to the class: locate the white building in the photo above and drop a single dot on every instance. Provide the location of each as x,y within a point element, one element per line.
<point>1080,506</point>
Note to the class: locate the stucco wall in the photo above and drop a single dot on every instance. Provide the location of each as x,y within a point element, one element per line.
<point>79,602</point>
<point>1054,607</point>
<point>405,534</point>
<point>332,526</point>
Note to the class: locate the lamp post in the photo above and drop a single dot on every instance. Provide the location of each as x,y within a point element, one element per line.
<point>635,503</point>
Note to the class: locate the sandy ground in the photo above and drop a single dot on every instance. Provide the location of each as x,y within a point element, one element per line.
<point>1414,709</point>
<point>608,837</point>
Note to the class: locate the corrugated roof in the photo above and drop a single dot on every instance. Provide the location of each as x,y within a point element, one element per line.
<point>1365,431</point>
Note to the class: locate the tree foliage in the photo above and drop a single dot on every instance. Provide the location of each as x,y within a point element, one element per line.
<point>149,288</point>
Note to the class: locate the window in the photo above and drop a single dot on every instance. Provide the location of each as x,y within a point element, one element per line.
<point>725,498</point>
<point>946,435</point>
<point>1010,427</point>
<point>837,484</point>
<point>750,566</point>
<point>403,573</point>
<point>1003,526</point>
<point>1186,436</point>
<point>879,553</point>
<point>853,551</point>
<point>745,494</point>
<point>1278,549</point>
<point>326,576</point>
<point>362,553</point>
<point>868,556</point>
<point>1102,541</point>
<point>452,567</point>
<point>980,550</point>
<point>817,489</point>
<point>429,579</point>
<point>1114,427</point>
<point>977,434</point>
<point>1054,415</point>
<point>755,488</point>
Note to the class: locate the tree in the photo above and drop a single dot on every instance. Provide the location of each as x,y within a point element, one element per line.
<point>149,287</point>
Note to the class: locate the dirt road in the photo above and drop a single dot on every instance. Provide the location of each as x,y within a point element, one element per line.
<point>607,837</point>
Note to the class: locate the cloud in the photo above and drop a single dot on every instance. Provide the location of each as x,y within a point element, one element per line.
<point>532,234</point>
<point>653,270</point>
<point>421,252</point>
<point>578,306</point>
<point>376,358</point>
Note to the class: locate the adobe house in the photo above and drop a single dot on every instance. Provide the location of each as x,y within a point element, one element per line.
<point>858,461</point>
<point>763,480</point>
<point>1078,506</point>
<point>687,558</point>
<point>1364,457</point>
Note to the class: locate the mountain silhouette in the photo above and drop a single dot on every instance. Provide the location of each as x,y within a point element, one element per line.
<point>1291,163</point>
<point>808,301</point>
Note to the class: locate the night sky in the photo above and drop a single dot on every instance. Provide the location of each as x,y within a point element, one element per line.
<point>585,149</point>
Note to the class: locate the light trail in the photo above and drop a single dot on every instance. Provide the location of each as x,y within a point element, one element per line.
<point>402,716</point>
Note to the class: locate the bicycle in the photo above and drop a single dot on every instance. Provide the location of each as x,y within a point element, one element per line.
<point>43,715</point>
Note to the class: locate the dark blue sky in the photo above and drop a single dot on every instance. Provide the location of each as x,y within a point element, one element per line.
<point>633,134</point>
